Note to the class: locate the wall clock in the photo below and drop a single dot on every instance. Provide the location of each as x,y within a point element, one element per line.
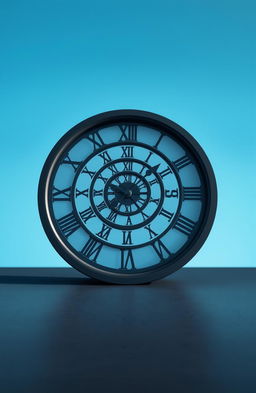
<point>127,197</point>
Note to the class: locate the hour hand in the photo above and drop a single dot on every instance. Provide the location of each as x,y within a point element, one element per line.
<point>115,188</point>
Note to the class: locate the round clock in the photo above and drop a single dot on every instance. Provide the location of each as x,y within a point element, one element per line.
<point>127,197</point>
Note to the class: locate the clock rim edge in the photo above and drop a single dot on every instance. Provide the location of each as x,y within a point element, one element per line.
<point>154,120</point>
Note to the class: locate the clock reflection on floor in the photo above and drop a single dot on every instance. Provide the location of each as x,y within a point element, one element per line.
<point>127,197</point>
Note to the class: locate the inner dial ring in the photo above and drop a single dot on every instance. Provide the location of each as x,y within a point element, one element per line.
<point>144,217</point>
<point>129,190</point>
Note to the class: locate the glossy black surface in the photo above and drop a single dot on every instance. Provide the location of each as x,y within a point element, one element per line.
<point>192,332</point>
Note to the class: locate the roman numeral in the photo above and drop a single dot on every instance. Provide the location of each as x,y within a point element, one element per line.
<point>105,156</point>
<point>92,249</point>
<point>127,151</point>
<point>68,224</point>
<point>152,182</point>
<point>144,215</point>
<point>165,172</point>
<point>129,132</point>
<point>128,221</point>
<point>113,169</point>
<point>159,140</point>
<point>97,193</point>
<point>74,164</point>
<point>104,232</point>
<point>61,195</point>
<point>101,206</point>
<point>128,165</point>
<point>87,214</point>
<point>127,237</point>
<point>171,193</point>
<point>127,177</point>
<point>112,216</point>
<point>128,208</point>
<point>90,173</point>
<point>184,225</point>
<point>96,139</point>
<point>155,200</point>
<point>127,259</point>
<point>150,231</point>
<point>84,192</point>
<point>149,155</point>
<point>166,213</point>
<point>161,250</point>
<point>139,183</point>
<point>182,162</point>
<point>192,193</point>
<point>115,204</point>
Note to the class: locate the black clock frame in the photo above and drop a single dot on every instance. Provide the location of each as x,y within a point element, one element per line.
<point>152,120</point>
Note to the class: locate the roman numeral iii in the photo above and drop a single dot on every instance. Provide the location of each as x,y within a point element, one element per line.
<point>184,225</point>
<point>192,193</point>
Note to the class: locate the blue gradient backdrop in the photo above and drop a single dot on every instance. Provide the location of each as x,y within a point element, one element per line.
<point>192,61</point>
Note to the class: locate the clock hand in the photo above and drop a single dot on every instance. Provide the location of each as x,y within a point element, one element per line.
<point>114,188</point>
<point>149,171</point>
<point>119,190</point>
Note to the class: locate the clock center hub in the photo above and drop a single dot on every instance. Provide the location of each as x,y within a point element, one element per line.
<point>127,193</point>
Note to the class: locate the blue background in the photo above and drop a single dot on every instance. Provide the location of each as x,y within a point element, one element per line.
<point>192,61</point>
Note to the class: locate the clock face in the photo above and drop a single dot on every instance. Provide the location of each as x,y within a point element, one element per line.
<point>127,197</point>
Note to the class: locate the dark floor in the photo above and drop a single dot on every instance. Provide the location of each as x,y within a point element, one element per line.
<point>192,332</point>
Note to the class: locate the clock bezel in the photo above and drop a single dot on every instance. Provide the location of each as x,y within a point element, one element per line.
<point>103,120</point>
